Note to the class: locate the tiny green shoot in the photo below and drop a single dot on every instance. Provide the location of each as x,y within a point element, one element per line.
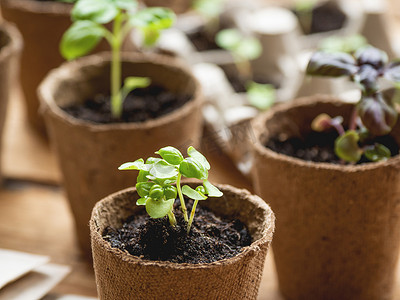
<point>159,182</point>
<point>244,49</point>
<point>89,27</point>
<point>348,44</point>
<point>375,113</point>
<point>304,10</point>
<point>210,10</point>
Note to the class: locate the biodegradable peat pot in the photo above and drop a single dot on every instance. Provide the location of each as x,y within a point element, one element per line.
<point>122,276</point>
<point>42,25</point>
<point>338,227</point>
<point>89,153</point>
<point>10,48</point>
<point>178,6</point>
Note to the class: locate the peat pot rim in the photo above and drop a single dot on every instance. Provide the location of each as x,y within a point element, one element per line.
<point>248,252</point>
<point>14,43</point>
<point>260,150</point>
<point>46,88</point>
<point>39,7</point>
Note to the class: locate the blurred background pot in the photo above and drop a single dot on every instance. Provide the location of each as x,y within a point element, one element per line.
<point>233,278</point>
<point>89,153</point>
<point>10,49</point>
<point>338,226</point>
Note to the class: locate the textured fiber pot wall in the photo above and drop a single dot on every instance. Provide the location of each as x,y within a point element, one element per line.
<point>41,24</point>
<point>123,276</point>
<point>178,6</point>
<point>89,154</point>
<point>338,227</point>
<point>10,48</point>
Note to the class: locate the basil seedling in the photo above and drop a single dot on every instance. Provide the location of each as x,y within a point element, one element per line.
<point>159,182</point>
<point>244,49</point>
<point>89,18</point>
<point>374,114</point>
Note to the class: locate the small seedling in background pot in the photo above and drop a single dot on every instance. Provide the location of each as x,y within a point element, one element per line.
<point>374,114</point>
<point>348,44</point>
<point>89,18</point>
<point>244,49</point>
<point>210,10</point>
<point>159,182</point>
<point>304,11</point>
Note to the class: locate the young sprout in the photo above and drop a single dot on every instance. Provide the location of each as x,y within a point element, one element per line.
<point>348,44</point>
<point>244,49</point>
<point>374,113</point>
<point>159,182</point>
<point>210,10</point>
<point>89,19</point>
<point>304,9</point>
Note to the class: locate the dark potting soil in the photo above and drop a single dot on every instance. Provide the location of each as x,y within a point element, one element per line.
<point>325,17</point>
<point>140,105</point>
<point>319,147</point>
<point>211,238</point>
<point>202,41</point>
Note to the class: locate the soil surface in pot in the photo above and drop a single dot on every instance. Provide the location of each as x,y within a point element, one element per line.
<point>211,238</point>
<point>325,17</point>
<point>319,147</point>
<point>140,105</point>
<point>202,41</point>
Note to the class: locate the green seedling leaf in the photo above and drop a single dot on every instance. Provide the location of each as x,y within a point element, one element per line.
<point>136,165</point>
<point>80,39</point>
<point>331,64</point>
<point>141,201</point>
<point>261,96</point>
<point>347,44</point>
<point>228,39</point>
<point>98,11</point>
<point>193,194</point>
<point>156,192</point>
<point>304,6</point>
<point>142,176</point>
<point>249,49</point>
<point>211,190</point>
<point>158,208</point>
<point>170,192</point>
<point>200,158</point>
<point>152,160</point>
<point>171,155</point>
<point>163,170</point>
<point>346,146</point>
<point>129,5</point>
<point>143,188</point>
<point>131,83</point>
<point>208,8</point>
<point>377,152</point>
<point>191,168</point>
<point>154,17</point>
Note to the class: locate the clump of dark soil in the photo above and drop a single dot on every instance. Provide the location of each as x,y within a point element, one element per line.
<point>202,41</point>
<point>211,238</point>
<point>325,17</point>
<point>140,105</point>
<point>319,146</point>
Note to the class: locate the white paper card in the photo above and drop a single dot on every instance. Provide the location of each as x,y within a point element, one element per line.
<point>14,264</point>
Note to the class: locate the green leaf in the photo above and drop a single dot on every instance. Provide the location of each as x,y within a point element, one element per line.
<point>98,11</point>
<point>80,39</point>
<point>321,123</point>
<point>141,201</point>
<point>261,96</point>
<point>150,36</point>
<point>190,168</point>
<point>250,48</point>
<point>158,208</point>
<point>154,17</point>
<point>171,155</point>
<point>228,39</point>
<point>377,152</point>
<point>131,83</point>
<point>346,146</point>
<point>211,189</point>
<point>136,165</point>
<point>143,188</point>
<point>152,160</point>
<point>156,192</point>
<point>129,5</point>
<point>192,194</point>
<point>162,169</point>
<point>347,44</point>
<point>142,176</point>
<point>208,8</point>
<point>200,158</point>
<point>170,192</point>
